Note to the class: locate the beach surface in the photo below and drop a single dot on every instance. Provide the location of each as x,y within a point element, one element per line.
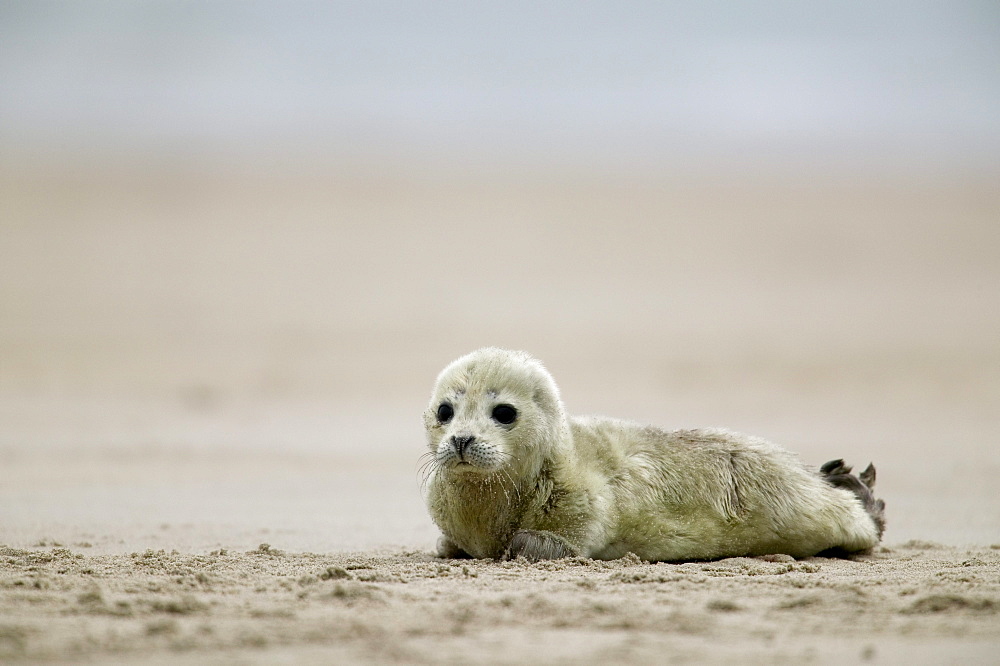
<point>920,602</point>
<point>212,380</point>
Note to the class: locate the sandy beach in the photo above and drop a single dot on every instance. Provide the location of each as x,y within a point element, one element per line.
<point>211,383</point>
<point>920,602</point>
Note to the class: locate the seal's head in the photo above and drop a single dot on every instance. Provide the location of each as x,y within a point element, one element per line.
<point>494,411</point>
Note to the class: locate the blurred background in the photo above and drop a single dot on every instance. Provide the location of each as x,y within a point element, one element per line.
<point>238,240</point>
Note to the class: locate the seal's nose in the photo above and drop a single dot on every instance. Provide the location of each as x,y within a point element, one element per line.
<point>461,444</point>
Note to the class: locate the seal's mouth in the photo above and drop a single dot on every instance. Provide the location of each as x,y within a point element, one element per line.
<point>463,467</point>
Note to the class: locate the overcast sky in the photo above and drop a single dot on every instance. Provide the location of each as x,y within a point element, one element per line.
<point>907,79</point>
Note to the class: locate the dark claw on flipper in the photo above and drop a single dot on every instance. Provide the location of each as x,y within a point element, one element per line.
<point>868,476</point>
<point>839,475</point>
<point>834,467</point>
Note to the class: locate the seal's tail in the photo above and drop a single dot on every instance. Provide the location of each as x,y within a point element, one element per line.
<point>837,474</point>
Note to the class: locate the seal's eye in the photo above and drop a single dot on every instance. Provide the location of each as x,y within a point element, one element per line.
<point>445,412</point>
<point>504,414</point>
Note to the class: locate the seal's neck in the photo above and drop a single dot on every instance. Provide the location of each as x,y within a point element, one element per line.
<point>499,491</point>
<point>479,512</point>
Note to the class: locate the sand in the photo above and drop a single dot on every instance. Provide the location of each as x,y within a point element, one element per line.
<point>918,602</point>
<point>197,359</point>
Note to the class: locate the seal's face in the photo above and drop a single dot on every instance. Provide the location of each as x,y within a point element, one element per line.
<point>492,410</point>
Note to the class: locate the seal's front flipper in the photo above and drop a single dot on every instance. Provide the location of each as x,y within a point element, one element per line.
<point>447,549</point>
<point>534,545</point>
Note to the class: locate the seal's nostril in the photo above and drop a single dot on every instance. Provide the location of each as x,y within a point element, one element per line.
<point>462,443</point>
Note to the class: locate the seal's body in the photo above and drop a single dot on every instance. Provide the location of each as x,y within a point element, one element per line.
<point>512,475</point>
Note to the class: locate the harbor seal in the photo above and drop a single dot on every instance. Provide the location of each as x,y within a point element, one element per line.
<point>511,475</point>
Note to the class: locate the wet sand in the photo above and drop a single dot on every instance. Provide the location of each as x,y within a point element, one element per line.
<point>198,361</point>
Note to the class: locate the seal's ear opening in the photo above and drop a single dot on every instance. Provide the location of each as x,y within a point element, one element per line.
<point>548,400</point>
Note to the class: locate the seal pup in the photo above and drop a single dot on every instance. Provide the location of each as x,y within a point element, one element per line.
<point>511,475</point>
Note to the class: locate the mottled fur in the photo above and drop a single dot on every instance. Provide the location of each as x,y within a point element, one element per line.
<point>551,486</point>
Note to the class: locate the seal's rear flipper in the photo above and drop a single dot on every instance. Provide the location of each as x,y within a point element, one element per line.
<point>837,474</point>
<point>868,476</point>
